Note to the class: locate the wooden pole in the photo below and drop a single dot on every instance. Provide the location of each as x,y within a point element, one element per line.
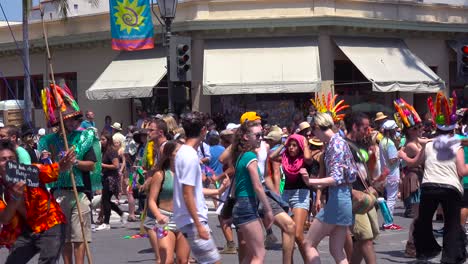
<point>64,134</point>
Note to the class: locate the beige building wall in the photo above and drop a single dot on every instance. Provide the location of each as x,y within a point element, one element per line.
<point>88,63</point>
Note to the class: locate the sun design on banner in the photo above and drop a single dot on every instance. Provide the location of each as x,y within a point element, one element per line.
<point>129,15</point>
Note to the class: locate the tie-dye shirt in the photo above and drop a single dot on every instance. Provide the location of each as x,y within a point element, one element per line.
<point>42,210</point>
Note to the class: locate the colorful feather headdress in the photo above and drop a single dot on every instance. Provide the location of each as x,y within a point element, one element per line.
<point>444,114</point>
<point>328,105</point>
<point>64,103</point>
<point>408,116</point>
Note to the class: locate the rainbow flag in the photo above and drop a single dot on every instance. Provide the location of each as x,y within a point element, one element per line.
<point>131,25</point>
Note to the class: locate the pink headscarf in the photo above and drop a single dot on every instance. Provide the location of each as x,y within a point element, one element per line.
<point>292,165</point>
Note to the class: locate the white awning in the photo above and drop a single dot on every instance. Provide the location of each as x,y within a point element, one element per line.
<point>262,65</point>
<point>130,75</point>
<point>390,65</point>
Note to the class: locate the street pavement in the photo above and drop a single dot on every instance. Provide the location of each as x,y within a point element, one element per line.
<point>111,247</point>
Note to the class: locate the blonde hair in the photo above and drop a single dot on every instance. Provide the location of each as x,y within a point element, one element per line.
<point>323,120</point>
<point>171,124</point>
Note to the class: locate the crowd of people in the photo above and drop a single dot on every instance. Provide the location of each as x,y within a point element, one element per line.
<point>320,178</point>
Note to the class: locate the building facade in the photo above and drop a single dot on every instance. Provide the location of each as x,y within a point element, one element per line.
<point>270,55</point>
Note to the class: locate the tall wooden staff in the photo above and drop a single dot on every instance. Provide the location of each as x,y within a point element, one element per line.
<point>64,134</point>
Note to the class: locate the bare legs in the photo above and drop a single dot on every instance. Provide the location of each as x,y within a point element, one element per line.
<point>318,230</point>
<point>254,248</point>
<point>174,242</point>
<point>299,216</point>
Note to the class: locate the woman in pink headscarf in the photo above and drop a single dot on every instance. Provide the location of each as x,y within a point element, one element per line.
<point>296,193</point>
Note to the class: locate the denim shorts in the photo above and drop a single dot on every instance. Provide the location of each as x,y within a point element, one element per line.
<point>245,210</point>
<point>204,251</point>
<point>297,198</point>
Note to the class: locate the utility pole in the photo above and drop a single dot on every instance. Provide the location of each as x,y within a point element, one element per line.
<point>27,77</point>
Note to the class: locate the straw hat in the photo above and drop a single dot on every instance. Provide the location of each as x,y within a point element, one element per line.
<point>303,125</point>
<point>117,126</point>
<point>380,116</point>
<point>274,135</point>
<point>316,142</point>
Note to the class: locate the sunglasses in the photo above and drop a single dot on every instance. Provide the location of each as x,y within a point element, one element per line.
<point>258,135</point>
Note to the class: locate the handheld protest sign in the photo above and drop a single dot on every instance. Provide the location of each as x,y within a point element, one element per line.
<point>19,172</point>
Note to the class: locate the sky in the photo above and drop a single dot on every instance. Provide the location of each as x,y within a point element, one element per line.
<point>13,9</point>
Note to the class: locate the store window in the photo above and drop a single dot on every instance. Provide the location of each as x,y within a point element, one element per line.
<point>279,109</point>
<point>352,86</point>
<point>12,88</point>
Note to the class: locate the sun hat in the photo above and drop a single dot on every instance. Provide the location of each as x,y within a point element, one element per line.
<point>274,135</point>
<point>117,126</point>
<point>276,128</point>
<point>380,116</point>
<point>316,142</point>
<point>249,116</point>
<point>303,125</point>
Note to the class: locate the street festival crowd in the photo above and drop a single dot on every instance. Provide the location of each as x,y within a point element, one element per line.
<point>329,175</point>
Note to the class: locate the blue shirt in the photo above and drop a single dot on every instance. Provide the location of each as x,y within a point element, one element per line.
<point>215,152</point>
<point>87,124</point>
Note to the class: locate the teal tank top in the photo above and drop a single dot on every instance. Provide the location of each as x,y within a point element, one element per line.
<point>167,187</point>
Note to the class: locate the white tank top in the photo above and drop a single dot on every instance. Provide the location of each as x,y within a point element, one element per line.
<point>262,156</point>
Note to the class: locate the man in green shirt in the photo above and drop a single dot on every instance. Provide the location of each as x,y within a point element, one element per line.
<point>13,134</point>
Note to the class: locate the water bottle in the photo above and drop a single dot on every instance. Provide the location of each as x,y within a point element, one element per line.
<point>387,216</point>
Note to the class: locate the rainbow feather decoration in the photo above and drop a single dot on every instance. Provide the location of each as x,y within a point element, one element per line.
<point>444,112</point>
<point>408,115</point>
<point>327,104</point>
<point>62,101</point>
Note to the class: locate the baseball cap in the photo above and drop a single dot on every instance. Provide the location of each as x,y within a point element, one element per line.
<point>389,125</point>
<point>249,116</point>
<point>232,126</point>
<point>274,135</point>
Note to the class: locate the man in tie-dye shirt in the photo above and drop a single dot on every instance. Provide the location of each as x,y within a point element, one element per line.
<point>32,220</point>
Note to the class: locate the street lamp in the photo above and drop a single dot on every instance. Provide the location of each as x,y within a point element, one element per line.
<point>167,10</point>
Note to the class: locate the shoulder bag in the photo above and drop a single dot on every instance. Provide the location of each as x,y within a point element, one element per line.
<point>230,201</point>
<point>363,201</point>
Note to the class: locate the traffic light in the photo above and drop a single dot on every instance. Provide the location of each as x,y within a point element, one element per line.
<point>180,59</point>
<point>464,61</point>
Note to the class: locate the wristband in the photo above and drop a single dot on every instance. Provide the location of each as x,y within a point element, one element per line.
<point>75,163</point>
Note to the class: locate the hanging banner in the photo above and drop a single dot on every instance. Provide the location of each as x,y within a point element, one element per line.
<point>131,25</point>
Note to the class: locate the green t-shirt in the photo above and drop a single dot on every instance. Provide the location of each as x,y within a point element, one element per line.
<point>23,156</point>
<point>243,184</point>
<point>465,178</point>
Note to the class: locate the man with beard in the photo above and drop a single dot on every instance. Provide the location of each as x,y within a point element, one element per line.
<point>86,169</point>
<point>366,226</point>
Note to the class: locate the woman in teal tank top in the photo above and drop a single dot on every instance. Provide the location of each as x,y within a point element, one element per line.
<point>160,211</point>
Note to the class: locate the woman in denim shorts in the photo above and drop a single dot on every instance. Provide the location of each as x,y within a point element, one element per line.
<point>336,217</point>
<point>248,191</point>
<point>160,205</point>
<point>296,192</point>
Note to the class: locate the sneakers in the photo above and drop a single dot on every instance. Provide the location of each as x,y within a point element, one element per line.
<point>230,248</point>
<point>270,240</point>
<point>103,227</point>
<point>124,219</point>
<point>410,250</point>
<point>392,227</point>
